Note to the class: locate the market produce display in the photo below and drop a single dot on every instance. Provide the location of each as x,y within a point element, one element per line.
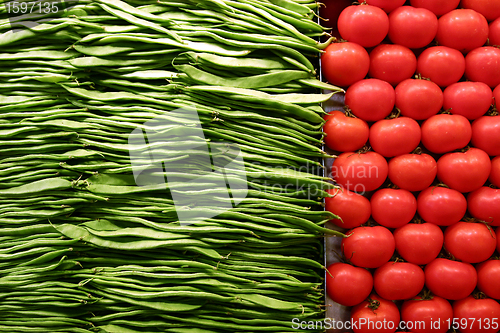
<point>417,166</point>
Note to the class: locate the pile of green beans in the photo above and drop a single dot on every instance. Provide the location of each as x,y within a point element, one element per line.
<point>87,250</point>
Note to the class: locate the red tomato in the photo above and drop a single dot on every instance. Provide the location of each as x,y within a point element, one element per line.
<point>490,9</point>
<point>496,96</point>
<point>412,27</point>
<point>419,243</point>
<point>476,315</point>
<point>394,137</point>
<point>486,134</point>
<point>360,172</point>
<point>364,24</point>
<point>352,208</point>
<point>349,285</point>
<point>464,172</point>
<point>392,63</point>
<point>343,64</point>
<point>484,205</point>
<point>375,315</point>
<point>443,133</point>
<point>412,172</point>
<point>427,315</point>
<point>450,279</point>
<point>331,11</point>
<point>370,99</point>
<point>398,280</point>
<point>494,34</point>
<point>438,7</point>
<point>469,242</point>
<point>345,133</point>
<point>393,208</point>
<point>494,177</point>
<point>369,247</point>
<point>462,29</point>
<point>387,5</point>
<point>483,65</point>
<point>442,206</point>
<point>498,239</point>
<point>442,64</point>
<point>418,99</point>
<point>488,278</point>
<point>469,99</point>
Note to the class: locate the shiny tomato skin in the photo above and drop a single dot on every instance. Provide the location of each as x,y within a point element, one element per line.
<point>469,242</point>
<point>368,247</point>
<point>494,34</point>
<point>392,63</point>
<point>398,280</point>
<point>494,177</point>
<point>438,7</point>
<point>444,133</point>
<point>349,285</point>
<point>441,206</point>
<point>496,96</point>
<point>394,137</point>
<point>419,243</point>
<point>469,99</point>
<point>344,64</point>
<point>484,204</point>
<point>464,172</point>
<point>462,29</point>
<point>393,208</point>
<point>353,209</point>
<point>360,172</point>
<point>412,27</point>
<point>418,99</point>
<point>370,99</point>
<point>386,5</point>
<point>441,64</point>
<point>428,312</point>
<point>476,313</point>
<point>488,278</point>
<point>486,134</point>
<point>386,312</point>
<point>345,133</point>
<point>365,25</point>
<point>483,65</point>
<point>490,9</point>
<point>450,279</point>
<point>412,172</point>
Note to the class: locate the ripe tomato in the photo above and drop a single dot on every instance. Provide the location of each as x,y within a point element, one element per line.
<point>442,206</point>
<point>393,208</point>
<point>412,27</point>
<point>450,279</point>
<point>470,242</point>
<point>427,315</point>
<point>490,9</point>
<point>392,63</point>
<point>343,64</point>
<point>443,133</point>
<point>494,177</point>
<point>375,315</point>
<point>349,285</point>
<point>469,99</point>
<point>441,64</point>
<point>398,280</point>
<point>360,172</point>
<point>364,24</point>
<point>369,247</point>
<point>486,134</point>
<point>419,243</point>
<point>498,239</point>
<point>387,5</point>
<point>352,208</point>
<point>394,137</point>
<point>494,34</point>
<point>370,99</point>
<point>418,99</point>
<point>476,315</point>
<point>438,7</point>
<point>488,278</point>
<point>484,205</point>
<point>345,133</point>
<point>412,172</point>
<point>483,65</point>
<point>464,172</point>
<point>496,96</point>
<point>462,29</point>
